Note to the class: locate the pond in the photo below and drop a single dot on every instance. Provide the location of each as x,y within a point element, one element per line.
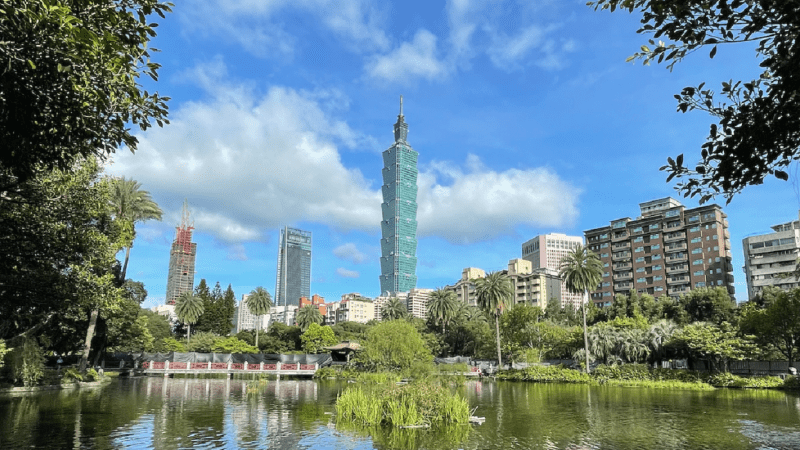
<point>164,413</point>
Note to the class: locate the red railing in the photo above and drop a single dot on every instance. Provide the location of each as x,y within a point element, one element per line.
<point>270,367</point>
<point>288,366</point>
<point>201,366</point>
<point>178,365</point>
<point>237,366</point>
<point>254,367</point>
<point>160,365</point>
<point>308,367</point>
<point>219,366</point>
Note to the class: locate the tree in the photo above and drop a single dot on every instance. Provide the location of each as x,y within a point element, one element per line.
<point>69,81</point>
<point>394,346</point>
<point>394,309</point>
<point>258,302</point>
<point>758,129</point>
<point>581,271</point>
<point>307,315</point>
<point>708,305</point>
<point>442,306</point>
<point>233,345</point>
<point>203,342</point>
<point>317,337</point>
<point>777,325</point>
<point>131,205</point>
<point>188,307</point>
<point>718,343</point>
<point>492,293</point>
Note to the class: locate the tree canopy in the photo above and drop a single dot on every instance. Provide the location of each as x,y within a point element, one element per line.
<point>758,121</point>
<point>69,81</point>
<point>493,293</point>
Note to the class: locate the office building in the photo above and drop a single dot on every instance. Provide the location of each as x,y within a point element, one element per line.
<point>293,278</point>
<point>180,277</point>
<point>770,259</point>
<point>399,213</point>
<point>667,250</point>
<point>546,252</point>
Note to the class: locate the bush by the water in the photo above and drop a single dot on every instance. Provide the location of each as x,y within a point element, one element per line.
<point>731,380</point>
<point>545,374</point>
<point>412,404</point>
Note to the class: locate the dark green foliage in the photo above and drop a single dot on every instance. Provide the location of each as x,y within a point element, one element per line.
<point>316,338</point>
<point>393,346</point>
<point>350,331</point>
<point>218,310</point>
<point>69,83</point>
<point>412,404</point>
<point>26,362</point>
<point>713,305</point>
<point>777,325</point>
<point>758,128</point>
<point>281,338</point>
<point>546,374</point>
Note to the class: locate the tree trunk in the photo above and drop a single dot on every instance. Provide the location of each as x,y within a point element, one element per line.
<point>585,338</point>
<point>257,327</point>
<point>87,345</point>
<point>188,332</point>
<point>125,265</point>
<point>497,330</point>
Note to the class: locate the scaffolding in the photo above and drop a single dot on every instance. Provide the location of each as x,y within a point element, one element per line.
<point>180,278</point>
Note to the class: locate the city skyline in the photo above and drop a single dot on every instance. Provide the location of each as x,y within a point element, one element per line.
<point>528,119</point>
<point>293,273</point>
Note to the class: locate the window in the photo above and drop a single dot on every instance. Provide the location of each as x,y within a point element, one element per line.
<point>619,224</point>
<point>656,257</point>
<point>697,250</point>
<point>659,288</point>
<point>716,259</point>
<point>697,262</point>
<point>694,219</point>
<point>640,270</point>
<point>657,267</point>
<point>639,249</point>
<point>700,284</point>
<point>653,226</point>
<point>655,247</point>
<point>606,275</point>
<point>698,273</point>
<point>654,236</point>
<point>641,280</point>
<point>715,237</point>
<point>606,294</point>
<point>606,284</point>
<point>713,225</point>
<point>716,248</point>
<point>719,282</point>
<point>640,259</point>
<point>639,239</point>
<point>658,278</point>
<point>673,213</point>
<point>604,255</point>
<point>604,245</point>
<point>696,240</point>
<point>605,265</point>
<point>719,270</point>
<point>694,228</point>
<point>637,230</point>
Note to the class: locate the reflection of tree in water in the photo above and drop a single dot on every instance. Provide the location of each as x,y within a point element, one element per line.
<point>442,437</point>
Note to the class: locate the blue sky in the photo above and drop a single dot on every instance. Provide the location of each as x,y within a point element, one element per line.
<point>526,117</point>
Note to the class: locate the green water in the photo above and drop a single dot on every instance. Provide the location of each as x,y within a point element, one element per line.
<point>213,413</point>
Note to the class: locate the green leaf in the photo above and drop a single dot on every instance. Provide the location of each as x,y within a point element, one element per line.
<point>33,66</point>
<point>646,49</point>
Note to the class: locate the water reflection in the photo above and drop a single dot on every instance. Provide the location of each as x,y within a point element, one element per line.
<point>165,413</point>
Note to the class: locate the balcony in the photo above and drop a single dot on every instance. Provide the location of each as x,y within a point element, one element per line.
<point>678,269</point>
<point>676,247</point>
<point>620,255</point>
<point>680,279</point>
<point>674,237</point>
<point>623,276</point>
<point>677,291</point>
<point>619,237</point>
<point>621,245</point>
<point>677,258</point>
<point>622,266</point>
<point>622,286</point>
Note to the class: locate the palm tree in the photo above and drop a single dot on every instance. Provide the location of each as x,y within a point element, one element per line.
<point>393,309</point>
<point>659,333</point>
<point>582,270</point>
<point>259,302</point>
<point>307,315</point>
<point>131,204</point>
<point>442,306</point>
<point>189,308</point>
<point>492,293</point>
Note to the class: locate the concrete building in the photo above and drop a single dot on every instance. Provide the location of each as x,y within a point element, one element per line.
<point>770,259</point>
<point>417,302</point>
<point>534,286</point>
<point>180,277</point>
<point>377,304</point>
<point>167,311</point>
<point>399,213</point>
<point>293,278</point>
<point>546,252</point>
<point>245,320</point>
<point>355,309</point>
<point>465,288</point>
<point>667,250</point>
<point>283,314</point>
<point>317,301</point>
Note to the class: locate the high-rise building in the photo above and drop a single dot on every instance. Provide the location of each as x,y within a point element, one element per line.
<point>770,259</point>
<point>534,286</point>
<point>293,278</point>
<point>417,302</point>
<point>546,252</point>
<point>180,277</point>
<point>668,250</point>
<point>465,287</point>
<point>399,209</point>
<point>245,320</point>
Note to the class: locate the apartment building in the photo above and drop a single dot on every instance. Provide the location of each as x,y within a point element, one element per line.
<point>465,287</point>
<point>355,309</point>
<point>546,251</point>
<point>770,259</point>
<point>417,302</point>
<point>667,250</point>
<point>533,286</point>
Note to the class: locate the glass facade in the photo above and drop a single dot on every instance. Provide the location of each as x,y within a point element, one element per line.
<point>294,267</point>
<point>399,210</point>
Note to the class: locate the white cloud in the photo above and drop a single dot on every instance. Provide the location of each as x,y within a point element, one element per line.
<point>480,203</point>
<point>248,163</point>
<point>417,58</point>
<point>237,252</point>
<point>259,25</point>
<point>342,272</point>
<point>349,252</point>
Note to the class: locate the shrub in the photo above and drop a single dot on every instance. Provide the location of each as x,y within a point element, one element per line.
<point>546,374</point>
<point>792,382</point>
<point>92,375</point>
<point>72,375</point>
<point>325,372</point>
<point>27,363</point>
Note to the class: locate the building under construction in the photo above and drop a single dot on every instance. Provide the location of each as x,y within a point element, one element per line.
<point>181,259</point>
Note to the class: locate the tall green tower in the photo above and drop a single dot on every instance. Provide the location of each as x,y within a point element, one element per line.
<point>399,208</point>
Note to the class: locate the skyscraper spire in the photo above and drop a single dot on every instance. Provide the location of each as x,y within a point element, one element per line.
<point>401,127</point>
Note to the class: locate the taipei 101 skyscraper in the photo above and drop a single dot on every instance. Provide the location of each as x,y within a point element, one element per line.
<point>399,209</point>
